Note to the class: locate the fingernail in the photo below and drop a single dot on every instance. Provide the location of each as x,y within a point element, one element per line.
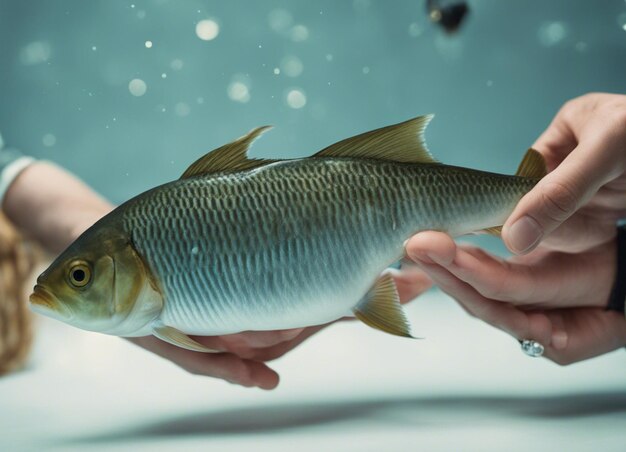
<point>524,234</point>
<point>559,340</point>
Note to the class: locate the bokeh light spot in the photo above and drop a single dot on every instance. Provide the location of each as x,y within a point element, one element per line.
<point>296,98</point>
<point>137,87</point>
<point>207,29</point>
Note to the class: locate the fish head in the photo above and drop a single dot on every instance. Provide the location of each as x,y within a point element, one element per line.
<point>100,283</point>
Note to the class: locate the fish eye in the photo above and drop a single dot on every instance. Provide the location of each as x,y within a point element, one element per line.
<point>79,274</point>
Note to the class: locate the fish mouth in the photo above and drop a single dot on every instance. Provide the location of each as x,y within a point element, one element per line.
<point>41,297</point>
<point>43,302</point>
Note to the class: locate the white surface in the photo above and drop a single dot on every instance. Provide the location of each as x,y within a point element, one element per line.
<point>350,388</point>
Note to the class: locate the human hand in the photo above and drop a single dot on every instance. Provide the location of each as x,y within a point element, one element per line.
<point>242,356</point>
<point>558,293</point>
<point>553,297</point>
<point>585,150</point>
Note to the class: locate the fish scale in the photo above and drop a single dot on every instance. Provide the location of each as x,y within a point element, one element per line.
<point>321,224</point>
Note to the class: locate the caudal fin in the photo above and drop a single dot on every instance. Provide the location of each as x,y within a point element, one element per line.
<point>532,166</point>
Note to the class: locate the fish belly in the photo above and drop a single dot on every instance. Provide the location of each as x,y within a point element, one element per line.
<point>304,287</point>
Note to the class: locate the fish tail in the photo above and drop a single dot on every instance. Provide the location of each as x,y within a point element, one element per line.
<point>532,166</point>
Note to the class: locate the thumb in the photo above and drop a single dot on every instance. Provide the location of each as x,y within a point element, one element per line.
<point>554,199</point>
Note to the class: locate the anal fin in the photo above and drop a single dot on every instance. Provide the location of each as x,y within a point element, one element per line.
<point>179,339</point>
<point>381,309</point>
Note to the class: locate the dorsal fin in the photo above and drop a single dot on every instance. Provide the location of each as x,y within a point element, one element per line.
<point>403,142</point>
<point>228,158</point>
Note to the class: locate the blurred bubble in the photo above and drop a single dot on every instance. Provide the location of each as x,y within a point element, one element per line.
<point>94,48</point>
<point>137,87</point>
<point>239,89</point>
<point>296,98</point>
<point>207,29</point>
<point>489,83</point>
<point>276,71</point>
<point>163,75</point>
<point>200,100</point>
<point>292,66</point>
<point>329,57</point>
<point>279,20</point>
<point>551,33</point>
<point>148,44</point>
<point>36,52</point>
<point>182,109</point>
<point>299,33</point>
<point>366,70</point>
<point>49,140</point>
<point>1,142</point>
<point>176,64</point>
<point>141,14</point>
<point>415,30</point>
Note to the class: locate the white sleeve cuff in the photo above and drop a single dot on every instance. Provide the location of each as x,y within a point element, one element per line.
<point>10,172</point>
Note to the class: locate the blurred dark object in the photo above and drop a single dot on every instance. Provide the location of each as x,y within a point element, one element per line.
<point>448,16</point>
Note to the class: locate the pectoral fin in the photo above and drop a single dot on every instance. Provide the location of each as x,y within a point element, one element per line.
<point>381,309</point>
<point>179,339</point>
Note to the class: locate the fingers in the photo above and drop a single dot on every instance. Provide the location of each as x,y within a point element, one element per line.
<point>410,282</point>
<point>519,324</point>
<point>490,276</point>
<point>278,350</point>
<point>589,332</point>
<point>431,243</point>
<point>552,201</point>
<point>497,279</point>
<point>225,366</point>
<point>582,232</point>
<point>544,279</point>
<point>588,136</point>
<point>248,340</point>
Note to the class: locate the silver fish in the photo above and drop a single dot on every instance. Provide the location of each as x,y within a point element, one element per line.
<point>245,244</point>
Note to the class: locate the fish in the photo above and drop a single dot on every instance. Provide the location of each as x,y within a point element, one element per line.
<point>243,244</point>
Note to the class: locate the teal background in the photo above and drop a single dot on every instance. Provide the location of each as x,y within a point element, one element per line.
<point>494,86</point>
